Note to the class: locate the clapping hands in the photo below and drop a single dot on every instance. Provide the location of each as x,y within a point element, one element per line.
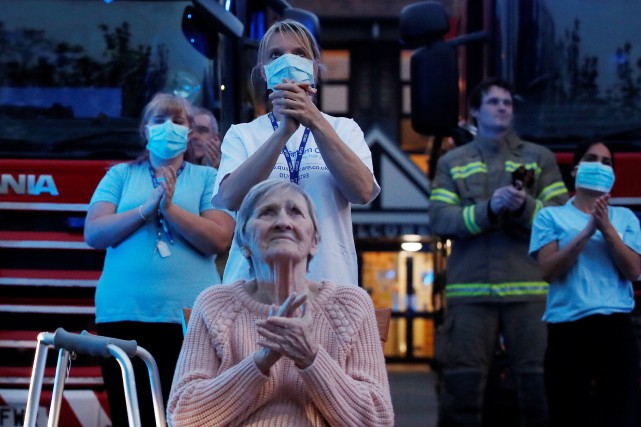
<point>288,333</point>
<point>294,102</point>
<point>599,217</point>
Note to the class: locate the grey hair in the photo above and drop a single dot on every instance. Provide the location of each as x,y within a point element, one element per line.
<point>259,192</point>
<point>213,123</point>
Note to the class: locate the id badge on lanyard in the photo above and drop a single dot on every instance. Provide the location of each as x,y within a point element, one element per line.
<point>161,223</point>
<point>294,166</point>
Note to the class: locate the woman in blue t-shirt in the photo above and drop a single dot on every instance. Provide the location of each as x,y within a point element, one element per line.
<point>590,254</point>
<point>155,219</point>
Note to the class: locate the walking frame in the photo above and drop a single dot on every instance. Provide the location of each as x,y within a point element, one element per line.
<point>95,345</point>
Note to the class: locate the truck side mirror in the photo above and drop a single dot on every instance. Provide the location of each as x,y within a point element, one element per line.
<point>433,68</point>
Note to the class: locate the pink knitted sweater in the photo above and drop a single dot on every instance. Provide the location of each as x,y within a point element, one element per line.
<point>217,382</point>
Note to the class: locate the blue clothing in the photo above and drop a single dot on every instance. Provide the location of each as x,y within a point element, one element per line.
<point>592,285</point>
<point>137,284</point>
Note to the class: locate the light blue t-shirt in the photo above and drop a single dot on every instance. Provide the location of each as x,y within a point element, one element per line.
<point>137,284</point>
<point>593,284</point>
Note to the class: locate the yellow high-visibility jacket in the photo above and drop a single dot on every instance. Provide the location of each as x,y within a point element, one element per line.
<point>489,260</point>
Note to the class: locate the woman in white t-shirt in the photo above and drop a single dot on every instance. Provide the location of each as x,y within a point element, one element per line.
<point>326,156</point>
<point>590,253</point>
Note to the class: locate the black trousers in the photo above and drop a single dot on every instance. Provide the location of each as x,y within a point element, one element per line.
<point>163,341</point>
<point>592,372</point>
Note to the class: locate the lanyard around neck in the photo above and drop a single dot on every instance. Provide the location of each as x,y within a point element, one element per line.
<point>154,180</point>
<point>294,167</point>
<point>160,218</point>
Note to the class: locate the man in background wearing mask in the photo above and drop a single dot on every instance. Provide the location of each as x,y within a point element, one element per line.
<point>484,196</point>
<point>327,156</point>
<point>204,140</point>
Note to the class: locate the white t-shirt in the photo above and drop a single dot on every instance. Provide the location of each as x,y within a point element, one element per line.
<point>336,257</point>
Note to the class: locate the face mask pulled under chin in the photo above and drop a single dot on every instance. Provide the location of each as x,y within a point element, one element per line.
<point>290,67</point>
<point>167,140</point>
<point>595,176</point>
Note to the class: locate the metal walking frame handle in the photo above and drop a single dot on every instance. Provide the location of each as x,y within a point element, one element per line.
<point>95,345</point>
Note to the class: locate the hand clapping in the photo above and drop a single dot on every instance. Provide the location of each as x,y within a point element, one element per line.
<point>288,333</point>
<point>167,182</point>
<point>294,101</point>
<point>212,154</point>
<point>600,213</point>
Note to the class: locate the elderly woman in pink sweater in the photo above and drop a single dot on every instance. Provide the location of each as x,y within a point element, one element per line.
<point>281,350</point>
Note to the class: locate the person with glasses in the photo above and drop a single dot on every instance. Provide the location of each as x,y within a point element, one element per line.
<point>203,147</point>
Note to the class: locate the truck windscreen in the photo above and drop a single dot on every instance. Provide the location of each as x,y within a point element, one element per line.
<point>577,67</point>
<point>74,76</point>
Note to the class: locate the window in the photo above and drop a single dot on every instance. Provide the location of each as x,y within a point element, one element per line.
<point>335,88</point>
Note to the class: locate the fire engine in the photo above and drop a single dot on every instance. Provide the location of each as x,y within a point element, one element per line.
<point>74,77</point>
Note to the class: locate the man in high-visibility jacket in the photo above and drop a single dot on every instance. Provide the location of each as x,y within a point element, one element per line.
<point>484,197</point>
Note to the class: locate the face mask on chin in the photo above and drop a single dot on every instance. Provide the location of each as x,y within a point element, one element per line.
<point>290,67</point>
<point>595,176</point>
<point>167,140</point>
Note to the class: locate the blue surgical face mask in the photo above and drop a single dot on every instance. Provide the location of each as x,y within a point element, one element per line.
<point>595,176</point>
<point>290,67</point>
<point>167,140</point>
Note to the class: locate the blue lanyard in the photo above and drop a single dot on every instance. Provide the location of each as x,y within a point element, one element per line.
<point>294,167</point>
<point>154,180</point>
<point>161,222</point>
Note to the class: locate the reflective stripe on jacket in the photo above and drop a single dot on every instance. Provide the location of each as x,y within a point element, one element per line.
<point>489,259</point>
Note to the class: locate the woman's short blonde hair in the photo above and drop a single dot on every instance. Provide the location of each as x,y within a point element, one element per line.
<point>300,33</point>
<point>259,192</point>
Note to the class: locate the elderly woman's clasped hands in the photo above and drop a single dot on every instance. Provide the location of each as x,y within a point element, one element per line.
<point>287,332</point>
